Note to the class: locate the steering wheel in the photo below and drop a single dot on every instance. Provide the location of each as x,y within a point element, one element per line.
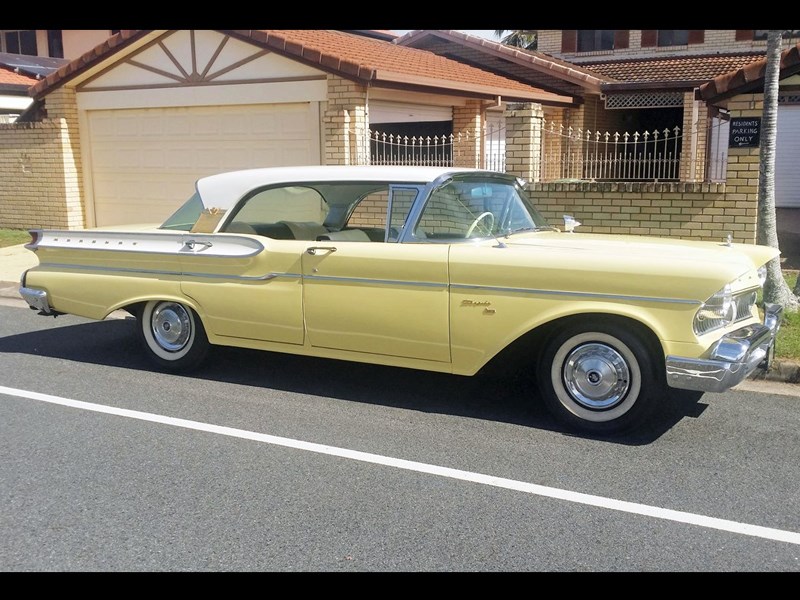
<point>478,219</point>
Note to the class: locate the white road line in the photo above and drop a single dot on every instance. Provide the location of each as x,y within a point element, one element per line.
<point>769,533</point>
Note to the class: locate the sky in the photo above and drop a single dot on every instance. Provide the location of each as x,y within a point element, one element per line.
<point>485,33</point>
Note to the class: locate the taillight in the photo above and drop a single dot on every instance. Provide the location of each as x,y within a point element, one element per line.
<point>36,236</point>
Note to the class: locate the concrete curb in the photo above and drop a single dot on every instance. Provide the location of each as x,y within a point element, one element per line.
<point>785,371</point>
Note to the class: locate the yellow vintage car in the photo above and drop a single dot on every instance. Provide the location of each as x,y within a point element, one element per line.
<point>441,269</point>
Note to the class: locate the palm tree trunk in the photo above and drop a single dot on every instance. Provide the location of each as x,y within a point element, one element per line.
<point>776,290</point>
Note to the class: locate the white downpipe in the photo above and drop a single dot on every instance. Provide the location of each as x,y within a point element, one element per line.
<point>694,136</point>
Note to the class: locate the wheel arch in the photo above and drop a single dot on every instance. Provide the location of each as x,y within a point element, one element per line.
<point>527,348</point>
<point>135,306</point>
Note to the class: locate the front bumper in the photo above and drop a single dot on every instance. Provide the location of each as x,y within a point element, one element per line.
<point>732,358</point>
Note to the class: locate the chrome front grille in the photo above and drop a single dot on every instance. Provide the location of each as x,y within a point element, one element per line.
<point>742,305</point>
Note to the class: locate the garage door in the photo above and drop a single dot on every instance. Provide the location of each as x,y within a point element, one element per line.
<point>787,175</point>
<point>144,162</point>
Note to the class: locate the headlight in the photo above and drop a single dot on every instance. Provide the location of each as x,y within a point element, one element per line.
<point>716,312</point>
<point>762,274</point>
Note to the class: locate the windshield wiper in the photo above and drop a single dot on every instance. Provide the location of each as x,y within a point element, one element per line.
<point>535,228</point>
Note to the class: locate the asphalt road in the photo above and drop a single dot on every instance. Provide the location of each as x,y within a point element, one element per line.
<point>272,463</point>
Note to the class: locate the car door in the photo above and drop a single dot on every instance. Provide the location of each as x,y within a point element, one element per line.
<point>246,287</point>
<point>389,299</point>
<point>382,298</point>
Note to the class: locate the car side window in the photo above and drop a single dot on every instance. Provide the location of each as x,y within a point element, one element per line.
<point>372,213</point>
<point>288,212</point>
<point>292,203</point>
<point>402,202</point>
<point>443,217</point>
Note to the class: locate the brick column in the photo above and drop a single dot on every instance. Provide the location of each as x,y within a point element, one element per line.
<point>694,135</point>
<point>575,133</point>
<point>467,129</point>
<point>62,108</point>
<point>741,185</point>
<point>524,140</point>
<point>345,123</point>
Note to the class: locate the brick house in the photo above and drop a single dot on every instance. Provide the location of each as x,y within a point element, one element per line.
<point>31,54</point>
<point>18,72</point>
<point>629,80</point>
<point>680,62</point>
<point>52,43</point>
<point>120,134</point>
<point>637,116</point>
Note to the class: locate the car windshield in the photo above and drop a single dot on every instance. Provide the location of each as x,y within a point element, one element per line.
<point>477,207</point>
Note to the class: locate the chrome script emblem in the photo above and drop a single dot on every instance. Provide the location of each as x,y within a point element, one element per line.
<point>475,303</point>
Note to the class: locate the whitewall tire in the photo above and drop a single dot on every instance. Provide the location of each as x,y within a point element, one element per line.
<point>173,335</point>
<point>599,378</point>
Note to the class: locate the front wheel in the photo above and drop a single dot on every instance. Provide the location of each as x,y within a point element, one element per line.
<point>598,378</point>
<point>173,335</point>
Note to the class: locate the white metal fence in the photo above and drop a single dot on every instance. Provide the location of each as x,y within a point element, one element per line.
<point>566,153</point>
<point>583,154</point>
<point>438,151</point>
<point>434,151</point>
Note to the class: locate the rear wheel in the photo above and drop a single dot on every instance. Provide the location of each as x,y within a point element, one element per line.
<point>173,335</point>
<point>599,378</point>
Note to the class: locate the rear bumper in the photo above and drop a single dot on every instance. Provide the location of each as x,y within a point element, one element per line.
<point>36,299</point>
<point>732,359</point>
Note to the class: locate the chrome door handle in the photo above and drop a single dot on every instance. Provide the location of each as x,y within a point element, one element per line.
<point>190,244</point>
<point>314,249</point>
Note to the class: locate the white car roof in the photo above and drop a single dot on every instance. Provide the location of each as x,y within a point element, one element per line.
<point>225,189</point>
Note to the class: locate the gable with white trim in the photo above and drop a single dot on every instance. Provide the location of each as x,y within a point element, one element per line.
<point>187,105</point>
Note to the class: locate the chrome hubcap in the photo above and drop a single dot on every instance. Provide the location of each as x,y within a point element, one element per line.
<point>596,376</point>
<point>171,326</point>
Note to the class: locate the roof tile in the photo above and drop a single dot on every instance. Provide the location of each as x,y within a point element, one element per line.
<point>366,59</point>
<point>672,68</point>
<point>9,77</point>
<point>539,60</point>
<point>744,78</point>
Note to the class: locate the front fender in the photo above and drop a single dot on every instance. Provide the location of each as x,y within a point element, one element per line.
<point>485,325</point>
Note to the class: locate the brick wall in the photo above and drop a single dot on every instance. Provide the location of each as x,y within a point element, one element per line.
<point>701,211</point>
<point>743,163</point>
<point>597,118</point>
<point>40,169</point>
